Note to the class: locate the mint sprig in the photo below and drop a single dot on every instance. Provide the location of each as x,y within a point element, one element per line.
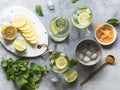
<point>24,76</point>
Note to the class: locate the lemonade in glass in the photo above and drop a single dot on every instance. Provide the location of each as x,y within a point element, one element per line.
<point>82,17</point>
<point>59,62</point>
<point>59,28</point>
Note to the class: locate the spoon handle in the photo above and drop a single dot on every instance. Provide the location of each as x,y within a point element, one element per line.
<point>92,74</point>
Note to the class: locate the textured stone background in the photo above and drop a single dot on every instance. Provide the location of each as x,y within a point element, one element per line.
<point>107,79</point>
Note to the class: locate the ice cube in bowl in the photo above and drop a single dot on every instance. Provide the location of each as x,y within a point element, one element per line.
<point>89,55</point>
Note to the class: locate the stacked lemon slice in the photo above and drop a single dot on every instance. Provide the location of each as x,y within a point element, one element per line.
<point>25,25</point>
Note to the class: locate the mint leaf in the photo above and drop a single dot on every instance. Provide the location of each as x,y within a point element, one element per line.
<point>74,1</point>
<point>38,9</point>
<point>72,63</point>
<point>21,81</point>
<point>4,63</point>
<point>113,21</point>
<point>55,55</point>
<point>27,87</point>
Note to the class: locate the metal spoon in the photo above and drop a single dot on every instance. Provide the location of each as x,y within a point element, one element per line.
<point>110,59</point>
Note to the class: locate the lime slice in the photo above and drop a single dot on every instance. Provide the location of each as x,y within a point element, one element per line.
<point>20,44</point>
<point>52,27</point>
<point>61,62</point>
<point>83,18</point>
<point>71,75</point>
<point>9,32</point>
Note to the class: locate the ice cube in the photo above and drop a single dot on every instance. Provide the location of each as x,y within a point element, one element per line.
<point>62,54</point>
<point>78,12</point>
<point>88,53</point>
<point>54,79</point>
<point>84,50</point>
<point>81,55</point>
<point>86,59</point>
<point>50,5</point>
<point>94,56</point>
<point>75,16</point>
<point>93,49</point>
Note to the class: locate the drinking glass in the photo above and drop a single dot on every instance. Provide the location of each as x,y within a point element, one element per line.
<point>59,28</point>
<point>59,62</point>
<point>82,17</point>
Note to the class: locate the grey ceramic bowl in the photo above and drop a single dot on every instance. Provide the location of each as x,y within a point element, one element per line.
<point>88,52</point>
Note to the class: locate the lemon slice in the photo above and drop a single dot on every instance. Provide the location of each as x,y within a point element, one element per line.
<point>27,31</point>
<point>71,75</point>
<point>61,62</point>
<point>9,32</point>
<point>83,18</point>
<point>20,44</point>
<point>27,26</point>
<point>34,39</point>
<point>28,35</point>
<point>19,20</point>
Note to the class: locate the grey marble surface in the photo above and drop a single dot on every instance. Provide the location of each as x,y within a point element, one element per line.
<point>107,79</point>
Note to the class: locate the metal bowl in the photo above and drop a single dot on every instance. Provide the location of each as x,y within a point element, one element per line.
<point>88,52</point>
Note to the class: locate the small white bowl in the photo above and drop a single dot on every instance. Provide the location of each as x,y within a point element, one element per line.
<point>114,30</point>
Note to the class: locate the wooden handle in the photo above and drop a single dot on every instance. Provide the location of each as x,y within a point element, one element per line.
<point>92,74</point>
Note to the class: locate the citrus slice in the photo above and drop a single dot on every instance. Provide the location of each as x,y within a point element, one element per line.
<point>71,75</point>
<point>19,20</point>
<point>9,32</point>
<point>27,25</point>
<point>27,31</point>
<point>33,39</point>
<point>52,27</point>
<point>28,35</point>
<point>83,18</point>
<point>20,44</point>
<point>61,62</point>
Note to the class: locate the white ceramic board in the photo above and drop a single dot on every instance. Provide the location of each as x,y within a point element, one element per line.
<point>32,50</point>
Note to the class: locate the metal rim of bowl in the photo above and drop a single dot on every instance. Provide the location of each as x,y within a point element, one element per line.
<point>114,30</point>
<point>99,55</point>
